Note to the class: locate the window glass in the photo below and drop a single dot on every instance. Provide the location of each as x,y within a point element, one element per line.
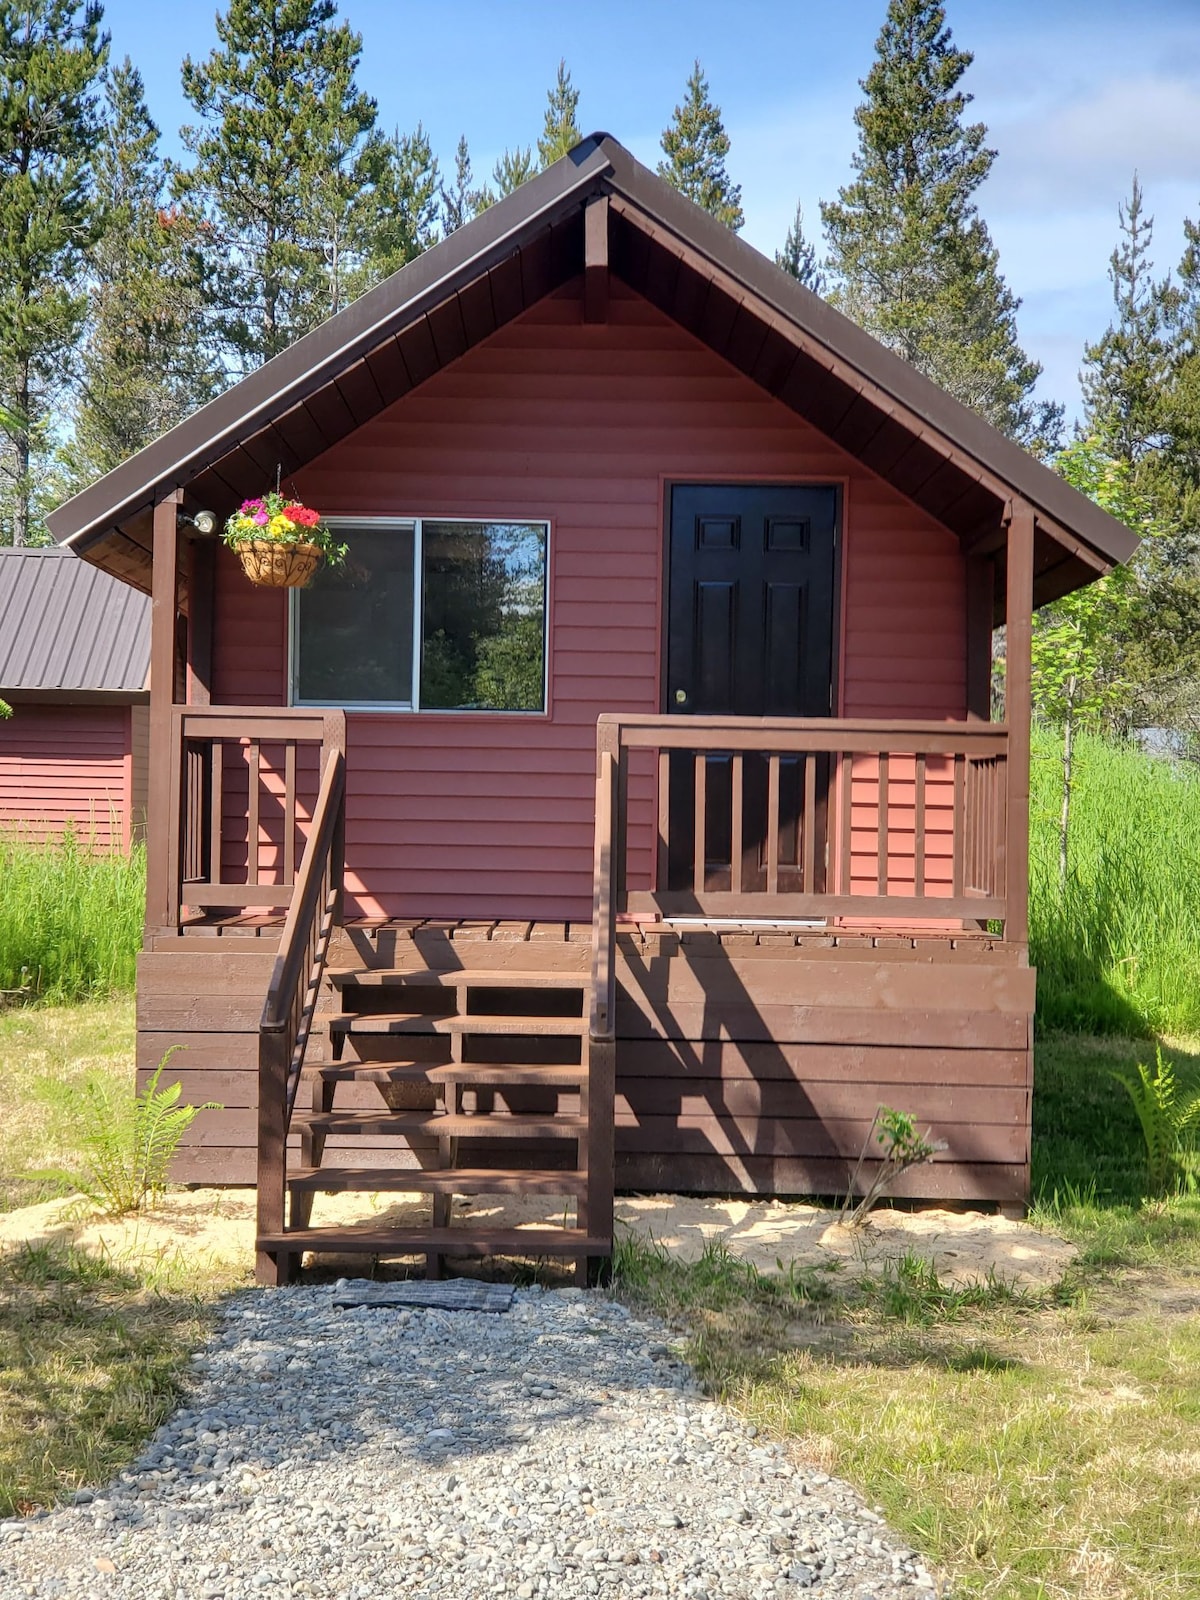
<point>483,616</point>
<point>354,623</point>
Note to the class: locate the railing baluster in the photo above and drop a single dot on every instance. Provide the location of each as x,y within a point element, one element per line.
<point>881,826</point>
<point>808,821</point>
<point>846,810</point>
<point>662,875</point>
<point>919,827</point>
<point>254,772</point>
<point>700,842</point>
<point>289,812</point>
<point>959,824</point>
<point>773,823</point>
<point>735,824</point>
<point>216,795</point>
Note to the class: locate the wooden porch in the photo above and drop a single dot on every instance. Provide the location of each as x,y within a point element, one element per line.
<point>793,922</point>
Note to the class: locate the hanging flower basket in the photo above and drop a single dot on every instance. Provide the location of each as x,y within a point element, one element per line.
<point>279,566</point>
<point>280,542</point>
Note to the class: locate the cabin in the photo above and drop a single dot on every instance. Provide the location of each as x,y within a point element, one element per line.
<point>627,811</point>
<point>74,663</point>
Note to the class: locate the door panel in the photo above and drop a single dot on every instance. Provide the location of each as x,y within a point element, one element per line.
<point>750,631</point>
<point>765,648</point>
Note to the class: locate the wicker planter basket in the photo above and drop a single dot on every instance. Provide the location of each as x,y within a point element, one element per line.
<point>279,566</point>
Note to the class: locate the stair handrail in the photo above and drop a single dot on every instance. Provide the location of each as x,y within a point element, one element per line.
<point>295,985</point>
<point>607,869</point>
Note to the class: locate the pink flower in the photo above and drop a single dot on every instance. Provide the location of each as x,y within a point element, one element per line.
<point>260,517</point>
<point>247,506</point>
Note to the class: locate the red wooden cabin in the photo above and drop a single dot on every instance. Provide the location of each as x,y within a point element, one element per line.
<point>74,657</point>
<point>628,809</point>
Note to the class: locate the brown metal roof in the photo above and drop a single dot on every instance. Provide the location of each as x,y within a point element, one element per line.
<point>67,628</point>
<point>862,396</point>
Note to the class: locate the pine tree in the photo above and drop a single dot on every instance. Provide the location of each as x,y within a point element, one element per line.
<point>798,257</point>
<point>282,160</point>
<point>142,366</point>
<point>912,260</point>
<point>695,146</point>
<point>560,132</point>
<point>462,201</point>
<point>514,168</point>
<point>52,56</point>
<point>403,205</point>
<point>1125,372</point>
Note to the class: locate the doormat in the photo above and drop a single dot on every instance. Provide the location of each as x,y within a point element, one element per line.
<point>450,1294</point>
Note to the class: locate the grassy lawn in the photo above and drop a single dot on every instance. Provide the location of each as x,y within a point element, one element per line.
<point>91,1351</point>
<point>1031,1447</point>
<point>46,1054</point>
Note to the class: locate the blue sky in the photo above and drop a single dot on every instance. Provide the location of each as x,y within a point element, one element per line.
<point>1075,96</point>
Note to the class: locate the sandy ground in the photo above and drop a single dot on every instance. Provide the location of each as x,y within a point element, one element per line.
<point>214,1229</point>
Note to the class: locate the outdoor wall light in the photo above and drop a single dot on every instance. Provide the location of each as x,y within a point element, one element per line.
<point>204,522</point>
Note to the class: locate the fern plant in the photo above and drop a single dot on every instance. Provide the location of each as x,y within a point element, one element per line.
<point>1169,1116</point>
<point>128,1147</point>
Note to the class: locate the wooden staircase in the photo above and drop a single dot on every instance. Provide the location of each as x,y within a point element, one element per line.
<point>485,1082</point>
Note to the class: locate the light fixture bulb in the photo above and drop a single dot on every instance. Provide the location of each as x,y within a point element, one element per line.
<point>205,522</point>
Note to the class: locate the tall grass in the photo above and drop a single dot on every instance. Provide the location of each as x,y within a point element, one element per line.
<point>70,918</point>
<point>1118,947</point>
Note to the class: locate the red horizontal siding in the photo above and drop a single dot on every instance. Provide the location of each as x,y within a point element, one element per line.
<point>66,765</point>
<point>580,424</point>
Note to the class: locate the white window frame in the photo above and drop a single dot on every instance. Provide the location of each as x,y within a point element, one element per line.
<point>415,525</point>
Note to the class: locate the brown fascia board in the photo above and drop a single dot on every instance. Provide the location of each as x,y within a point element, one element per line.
<point>172,460</point>
<point>879,367</point>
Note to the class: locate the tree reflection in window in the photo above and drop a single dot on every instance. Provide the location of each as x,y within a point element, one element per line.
<point>483,619</point>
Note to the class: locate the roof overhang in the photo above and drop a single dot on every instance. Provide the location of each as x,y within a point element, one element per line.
<point>788,340</point>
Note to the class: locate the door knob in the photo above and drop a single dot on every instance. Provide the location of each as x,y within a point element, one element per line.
<point>681,697</point>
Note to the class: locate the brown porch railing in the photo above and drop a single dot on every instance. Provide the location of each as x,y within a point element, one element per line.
<point>778,818</point>
<point>295,986</point>
<point>243,788</point>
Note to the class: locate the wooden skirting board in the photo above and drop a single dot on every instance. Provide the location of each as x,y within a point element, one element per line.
<point>747,1060</point>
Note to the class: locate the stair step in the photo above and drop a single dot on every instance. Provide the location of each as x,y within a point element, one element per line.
<point>383,1024</point>
<point>456,978</point>
<point>442,1241</point>
<point>454,1180</point>
<point>440,1125</point>
<point>467,1073</point>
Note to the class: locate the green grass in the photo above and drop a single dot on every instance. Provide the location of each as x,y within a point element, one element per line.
<point>47,1054</point>
<point>91,1361</point>
<point>1031,1446</point>
<point>1118,948</point>
<point>70,919</point>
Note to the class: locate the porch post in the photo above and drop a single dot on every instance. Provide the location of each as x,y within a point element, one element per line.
<point>1018,712</point>
<point>201,581</point>
<point>160,910</point>
<point>981,586</point>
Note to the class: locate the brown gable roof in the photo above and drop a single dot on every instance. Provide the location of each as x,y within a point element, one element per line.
<point>866,399</point>
<point>69,631</point>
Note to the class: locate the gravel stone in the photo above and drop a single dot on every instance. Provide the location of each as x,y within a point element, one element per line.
<point>556,1452</point>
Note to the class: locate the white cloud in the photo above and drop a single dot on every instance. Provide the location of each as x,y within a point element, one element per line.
<point>1091,145</point>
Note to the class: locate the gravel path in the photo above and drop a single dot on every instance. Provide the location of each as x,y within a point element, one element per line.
<point>556,1450</point>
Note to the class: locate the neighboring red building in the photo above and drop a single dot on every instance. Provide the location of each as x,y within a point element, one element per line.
<point>651,719</point>
<point>74,661</point>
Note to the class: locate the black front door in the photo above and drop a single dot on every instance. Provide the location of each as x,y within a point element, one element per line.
<point>750,616</point>
<point>750,630</point>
